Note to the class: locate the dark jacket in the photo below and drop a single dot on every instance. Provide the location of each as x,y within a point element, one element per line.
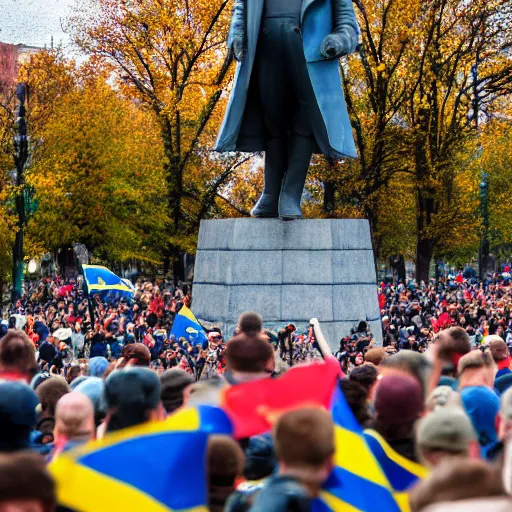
<point>282,494</point>
<point>47,352</point>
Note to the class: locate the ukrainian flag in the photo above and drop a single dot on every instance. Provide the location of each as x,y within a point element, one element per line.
<point>357,482</point>
<point>154,467</point>
<point>101,279</point>
<point>186,326</point>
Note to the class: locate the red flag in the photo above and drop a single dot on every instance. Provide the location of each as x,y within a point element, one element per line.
<point>253,407</point>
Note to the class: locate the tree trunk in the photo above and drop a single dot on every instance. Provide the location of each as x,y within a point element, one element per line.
<point>424,251</point>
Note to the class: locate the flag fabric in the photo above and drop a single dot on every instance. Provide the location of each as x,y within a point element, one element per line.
<point>186,326</point>
<point>401,473</point>
<point>254,407</point>
<point>101,279</point>
<point>357,482</point>
<point>155,467</point>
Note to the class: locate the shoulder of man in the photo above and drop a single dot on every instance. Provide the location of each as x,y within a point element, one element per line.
<point>282,494</point>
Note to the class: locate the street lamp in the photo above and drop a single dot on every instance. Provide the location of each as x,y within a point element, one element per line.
<point>20,159</point>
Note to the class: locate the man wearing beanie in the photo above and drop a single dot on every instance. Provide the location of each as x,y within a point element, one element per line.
<point>174,382</point>
<point>482,406</point>
<point>447,432</point>
<point>18,416</point>
<point>398,404</point>
<point>133,397</point>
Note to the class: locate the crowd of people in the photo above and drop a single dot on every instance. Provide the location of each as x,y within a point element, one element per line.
<point>435,399</point>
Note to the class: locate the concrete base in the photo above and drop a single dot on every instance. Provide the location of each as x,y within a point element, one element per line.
<point>289,272</point>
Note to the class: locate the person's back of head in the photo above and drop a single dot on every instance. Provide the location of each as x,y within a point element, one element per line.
<point>248,355</point>
<point>442,396</point>
<point>408,362</point>
<point>498,347</point>
<point>455,480</point>
<point>174,383</point>
<point>366,376</point>
<point>135,354</point>
<point>477,368</point>
<point>132,397</point>
<point>250,323</point>
<point>398,404</point>
<point>74,418</point>
<point>225,466</point>
<point>304,445</point>
<point>375,355</point>
<point>447,432</point>
<point>357,399</point>
<point>17,355</point>
<point>25,484</point>
<point>453,344</point>
<point>260,459</point>
<point>18,415</point>
<point>50,392</point>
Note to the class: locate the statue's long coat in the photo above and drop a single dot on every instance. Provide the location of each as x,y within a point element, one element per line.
<point>242,129</point>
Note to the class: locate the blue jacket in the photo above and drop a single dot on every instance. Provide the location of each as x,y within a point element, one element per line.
<point>317,22</point>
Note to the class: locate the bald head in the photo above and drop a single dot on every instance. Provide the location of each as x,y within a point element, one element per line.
<point>74,418</point>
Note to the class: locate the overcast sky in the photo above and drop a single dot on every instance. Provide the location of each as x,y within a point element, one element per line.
<point>34,22</point>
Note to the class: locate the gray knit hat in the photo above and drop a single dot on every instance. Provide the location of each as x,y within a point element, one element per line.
<point>448,429</point>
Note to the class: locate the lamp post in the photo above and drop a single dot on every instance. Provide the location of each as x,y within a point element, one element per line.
<point>20,158</point>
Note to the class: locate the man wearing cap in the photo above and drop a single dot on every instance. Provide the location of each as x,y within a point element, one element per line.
<point>447,432</point>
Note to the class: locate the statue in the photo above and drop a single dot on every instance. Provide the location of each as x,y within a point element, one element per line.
<point>287,98</point>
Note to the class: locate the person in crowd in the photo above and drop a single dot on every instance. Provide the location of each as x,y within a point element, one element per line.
<point>49,393</point>
<point>97,366</point>
<point>94,389</point>
<point>408,362</point>
<point>304,445</point>
<point>455,480</point>
<point>500,354</point>
<point>375,355</point>
<point>477,369</point>
<point>443,434</point>
<point>74,422</point>
<point>25,484</point>
<point>18,415</point>
<point>248,358</point>
<point>442,396</point>
<point>174,384</point>
<point>225,465</point>
<point>132,397</point>
<point>366,376</point>
<point>357,399</point>
<point>250,324</point>
<point>398,405</point>
<point>17,357</point>
<point>48,351</point>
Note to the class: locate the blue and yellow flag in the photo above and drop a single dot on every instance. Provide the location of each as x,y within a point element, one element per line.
<point>155,467</point>
<point>357,482</point>
<point>401,473</point>
<point>101,279</point>
<point>186,326</point>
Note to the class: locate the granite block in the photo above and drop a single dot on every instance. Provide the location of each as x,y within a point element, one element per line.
<point>306,267</point>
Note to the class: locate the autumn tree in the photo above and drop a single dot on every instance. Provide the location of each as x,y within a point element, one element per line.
<point>98,175</point>
<point>412,97</point>
<point>169,56</point>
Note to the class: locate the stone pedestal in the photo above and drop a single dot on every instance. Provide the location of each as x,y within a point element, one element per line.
<point>289,272</point>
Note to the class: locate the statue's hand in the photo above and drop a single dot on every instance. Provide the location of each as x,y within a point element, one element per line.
<point>238,47</point>
<point>334,46</point>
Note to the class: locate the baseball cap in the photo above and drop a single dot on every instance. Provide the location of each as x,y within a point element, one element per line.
<point>447,429</point>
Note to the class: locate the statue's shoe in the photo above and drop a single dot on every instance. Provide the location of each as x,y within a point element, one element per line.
<point>289,206</point>
<point>266,207</point>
